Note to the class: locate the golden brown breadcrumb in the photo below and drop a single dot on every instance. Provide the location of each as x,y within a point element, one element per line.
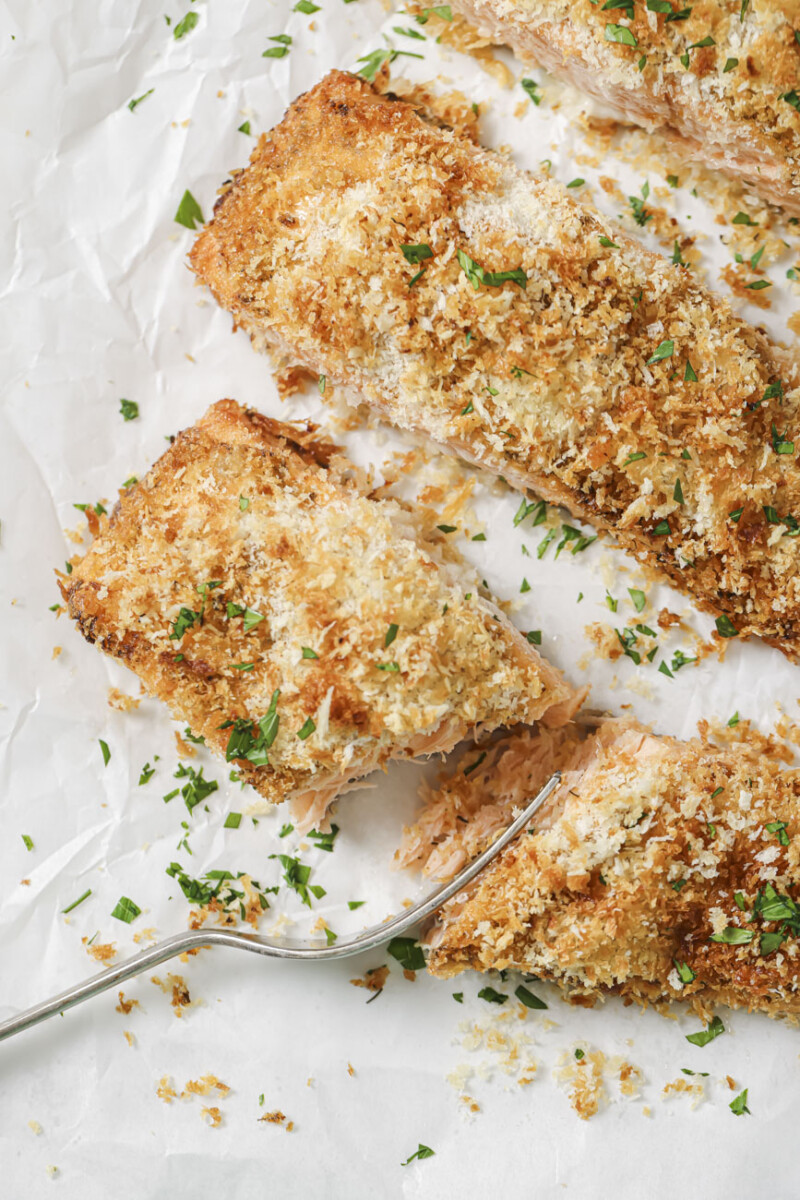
<point>660,870</point>
<point>251,581</point>
<point>719,77</point>
<point>527,333</point>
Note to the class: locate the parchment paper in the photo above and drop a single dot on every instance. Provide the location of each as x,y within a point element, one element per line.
<point>97,304</point>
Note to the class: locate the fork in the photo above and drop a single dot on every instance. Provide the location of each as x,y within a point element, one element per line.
<point>277,947</point>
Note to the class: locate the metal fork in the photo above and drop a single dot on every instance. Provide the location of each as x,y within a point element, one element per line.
<point>179,943</point>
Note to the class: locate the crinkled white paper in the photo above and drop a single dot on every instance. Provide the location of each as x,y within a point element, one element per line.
<point>97,304</point>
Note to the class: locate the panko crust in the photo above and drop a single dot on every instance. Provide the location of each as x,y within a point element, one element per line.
<point>649,847</point>
<point>553,384</point>
<point>269,539</point>
<point>669,74</point>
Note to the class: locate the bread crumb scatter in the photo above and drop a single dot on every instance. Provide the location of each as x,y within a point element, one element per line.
<point>166,1090</point>
<point>102,952</point>
<point>185,749</point>
<point>176,987</point>
<point>204,1086</point>
<point>374,980</point>
<point>129,1037</point>
<point>214,1116</point>
<point>124,1005</point>
<point>121,701</point>
<point>36,1128</point>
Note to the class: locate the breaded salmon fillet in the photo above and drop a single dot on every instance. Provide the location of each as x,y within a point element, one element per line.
<point>659,870</point>
<point>307,630</point>
<point>719,78</point>
<point>464,298</point>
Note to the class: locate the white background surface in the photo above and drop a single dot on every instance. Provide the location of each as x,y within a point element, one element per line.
<point>96,303</point>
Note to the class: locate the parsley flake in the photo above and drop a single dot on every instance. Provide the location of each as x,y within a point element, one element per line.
<point>126,910</point>
<point>189,213</point>
<point>704,1036</point>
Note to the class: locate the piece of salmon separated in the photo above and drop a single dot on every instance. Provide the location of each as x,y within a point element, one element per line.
<point>307,630</point>
<point>719,79</point>
<point>658,871</point>
<point>485,307</point>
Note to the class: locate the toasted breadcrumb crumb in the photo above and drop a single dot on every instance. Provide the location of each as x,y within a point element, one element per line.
<point>129,1037</point>
<point>121,701</point>
<point>204,1086</point>
<point>374,979</point>
<point>166,1090</point>
<point>35,1127</point>
<point>103,952</point>
<point>214,1116</point>
<point>124,1005</point>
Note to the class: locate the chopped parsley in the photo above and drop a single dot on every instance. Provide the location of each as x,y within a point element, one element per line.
<point>677,884</point>
<point>421,1151</point>
<point>638,598</point>
<point>733,935</point>
<point>726,627</point>
<point>528,998</point>
<point>189,213</point>
<point>447,528</point>
<point>185,26</point>
<point>689,376</point>
<point>306,6</point>
<point>28,840</point>
<point>705,1036</point>
<point>779,443</point>
<point>531,89</point>
<point>637,456</point>
<point>640,214</point>
<point>126,910</point>
<point>576,183</point>
<point>738,1105</point>
<point>251,619</point>
<point>197,788</point>
<point>662,529</point>
<point>758,285</point>
<point>607,242</point>
<point>281,49</point>
<point>80,900</point>
<point>233,820</point>
<point>734,720</point>
<point>620,34</point>
<point>353,904</point>
<point>324,841</point>
<point>493,997</point>
<point>408,953</point>
<point>393,667</point>
<point>417,253</point>
<point>307,729</point>
<point>104,750</point>
<point>391,634</point>
<point>137,100</point>
<point>185,620</point>
<point>309,653</point>
<point>250,740</point>
<point>474,766</point>
<point>129,410</point>
<point>248,666</point>
<point>524,586</point>
<point>244,128</point>
<point>677,493</point>
<point>244,504</point>
<point>146,774</point>
<point>742,218</point>
<point>663,350</point>
<point>477,275</point>
<point>685,972</point>
<point>534,636</point>
<point>443,11</point>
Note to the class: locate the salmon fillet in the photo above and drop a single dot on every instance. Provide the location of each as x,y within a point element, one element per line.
<point>467,300</point>
<point>659,870</point>
<point>306,630</point>
<point>720,79</point>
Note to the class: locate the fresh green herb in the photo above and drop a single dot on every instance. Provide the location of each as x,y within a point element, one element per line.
<point>662,351</point>
<point>531,89</point>
<point>492,996</point>
<point>636,457</point>
<point>468,408</point>
<point>129,410</point>
<point>185,620</point>
<point>412,33</point>
<point>137,100</point>
<point>755,259</point>
<point>248,666</point>
<point>447,528</point>
<point>126,910</point>
<point>792,98</point>
<point>477,275</point>
<point>738,1105</point>
<point>576,183</point>
<point>579,1054</point>
<point>185,26</point>
<point>528,998</point>
<point>189,213</point>
<point>376,58</point>
<point>640,214</point>
<point>685,972</point>
<point>28,840</point>
<point>478,537</point>
<point>607,242</point>
<point>252,741</point>
<point>353,904</point>
<point>408,953</point>
<point>778,827</point>
<point>443,11</point>
<point>244,504</point>
<point>702,1074</point>
<point>734,720</point>
<point>620,34</point>
<point>706,1035</point>
<point>779,444</point>
<point>536,507</point>
<point>662,529</point>
<point>307,729</point>
<point>147,774</point>
<point>104,750</point>
<point>282,48</point>
<point>80,900</point>
<point>393,667</point>
<point>244,128</point>
<point>321,382</point>
<point>524,586</point>
<point>677,493</point>
<point>474,766</point>
<point>733,935</point>
<point>306,6</point>
<point>758,285</point>
<point>677,884</point>
<point>534,636</point>
<point>726,627</point>
<point>638,599</point>
<point>742,218</point>
<point>422,1151</point>
<point>417,254</point>
<point>458,997</point>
